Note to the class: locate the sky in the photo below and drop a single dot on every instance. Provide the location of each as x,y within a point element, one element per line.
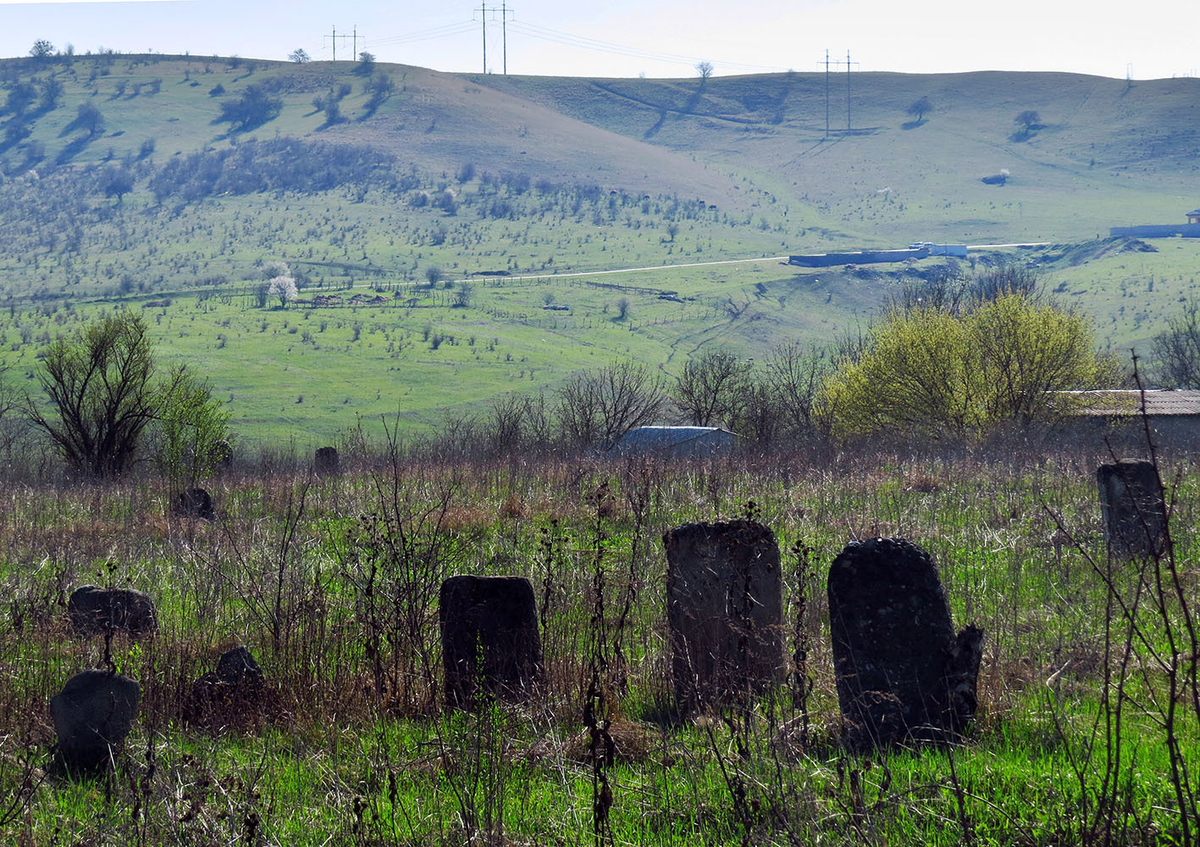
<point>1150,39</point>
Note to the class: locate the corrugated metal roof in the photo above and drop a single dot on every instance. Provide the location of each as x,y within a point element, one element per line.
<point>675,442</point>
<point>654,437</point>
<point>1122,402</point>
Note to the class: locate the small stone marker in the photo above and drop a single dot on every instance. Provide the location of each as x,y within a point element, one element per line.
<point>326,461</point>
<point>95,611</point>
<point>92,715</point>
<point>232,693</point>
<point>194,503</point>
<point>1131,504</point>
<point>724,609</point>
<point>902,673</point>
<point>493,618</point>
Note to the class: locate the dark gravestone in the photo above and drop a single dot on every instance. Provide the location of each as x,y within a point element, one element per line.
<point>231,695</point>
<point>95,611</point>
<point>194,503</point>
<point>92,716</point>
<point>490,620</point>
<point>902,673</point>
<point>1131,504</point>
<point>326,461</point>
<point>724,609</point>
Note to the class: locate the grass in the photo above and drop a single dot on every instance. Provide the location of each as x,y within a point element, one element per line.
<point>339,757</point>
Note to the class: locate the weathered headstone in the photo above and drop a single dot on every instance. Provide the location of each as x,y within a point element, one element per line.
<point>326,461</point>
<point>230,695</point>
<point>724,609</point>
<point>95,611</point>
<point>490,640</point>
<point>194,503</point>
<point>902,673</point>
<point>92,715</point>
<point>1131,504</point>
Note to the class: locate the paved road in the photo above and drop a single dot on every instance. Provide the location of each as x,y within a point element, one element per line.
<point>630,270</point>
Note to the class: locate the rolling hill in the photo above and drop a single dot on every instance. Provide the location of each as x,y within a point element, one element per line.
<point>125,183</point>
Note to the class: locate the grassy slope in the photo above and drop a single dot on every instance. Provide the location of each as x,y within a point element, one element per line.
<point>754,147</point>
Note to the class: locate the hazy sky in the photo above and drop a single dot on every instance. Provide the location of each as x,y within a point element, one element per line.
<point>1151,38</point>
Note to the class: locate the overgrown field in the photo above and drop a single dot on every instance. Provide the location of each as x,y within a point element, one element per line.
<point>332,583</point>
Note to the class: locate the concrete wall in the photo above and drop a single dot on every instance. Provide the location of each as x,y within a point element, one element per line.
<point>1156,231</point>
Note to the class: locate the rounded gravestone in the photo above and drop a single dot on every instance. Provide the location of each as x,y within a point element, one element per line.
<point>96,611</point>
<point>902,673</point>
<point>490,640</point>
<point>724,609</point>
<point>194,503</point>
<point>1133,508</point>
<point>326,461</point>
<point>92,716</point>
<point>232,694</point>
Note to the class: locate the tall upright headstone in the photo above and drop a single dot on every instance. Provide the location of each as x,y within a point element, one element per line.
<point>490,641</point>
<point>1132,506</point>
<point>724,609</point>
<point>903,675</point>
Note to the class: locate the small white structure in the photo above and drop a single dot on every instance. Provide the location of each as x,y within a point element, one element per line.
<point>675,442</point>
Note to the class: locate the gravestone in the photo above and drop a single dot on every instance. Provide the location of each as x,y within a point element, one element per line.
<point>1132,507</point>
<point>902,673</point>
<point>95,611</point>
<point>230,695</point>
<point>194,503</point>
<point>92,715</point>
<point>492,619</point>
<point>724,609</point>
<point>326,461</point>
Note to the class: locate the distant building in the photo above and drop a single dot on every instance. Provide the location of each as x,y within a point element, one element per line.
<point>1116,414</point>
<point>1191,229</point>
<point>675,442</point>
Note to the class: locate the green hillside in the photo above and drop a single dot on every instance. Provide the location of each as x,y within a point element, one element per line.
<point>122,184</point>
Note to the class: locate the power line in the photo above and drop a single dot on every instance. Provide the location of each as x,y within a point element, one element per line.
<point>353,37</point>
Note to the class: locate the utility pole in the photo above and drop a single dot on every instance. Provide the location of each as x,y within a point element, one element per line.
<point>504,31</point>
<point>827,93</point>
<point>353,38</point>
<point>836,63</point>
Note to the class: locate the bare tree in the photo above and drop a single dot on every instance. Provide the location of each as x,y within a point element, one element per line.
<point>795,373</point>
<point>1177,349</point>
<point>712,387</point>
<point>598,407</point>
<point>299,56</point>
<point>705,69</point>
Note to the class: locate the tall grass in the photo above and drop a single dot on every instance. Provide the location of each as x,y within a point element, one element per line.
<point>1086,733</point>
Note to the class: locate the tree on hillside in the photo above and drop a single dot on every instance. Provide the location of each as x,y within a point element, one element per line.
<point>41,50</point>
<point>88,117</point>
<point>299,56</point>
<point>931,373</point>
<point>920,108</point>
<point>366,64</point>
<point>1027,121</point>
<point>283,288</point>
<point>253,108</point>
<point>100,384</point>
<point>117,183</point>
